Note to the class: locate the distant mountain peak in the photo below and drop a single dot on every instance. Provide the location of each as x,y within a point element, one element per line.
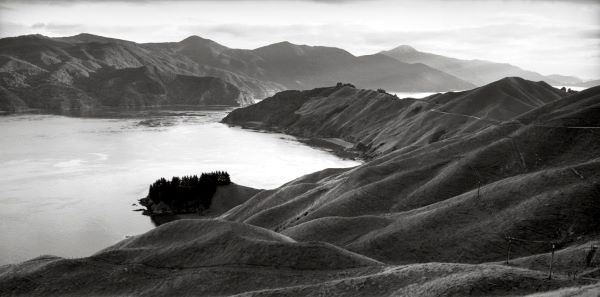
<point>196,42</point>
<point>303,49</point>
<point>195,38</point>
<point>83,34</point>
<point>283,47</point>
<point>284,44</point>
<point>87,37</point>
<point>31,36</point>
<point>516,81</point>
<point>404,49</point>
<point>479,72</point>
<point>511,80</point>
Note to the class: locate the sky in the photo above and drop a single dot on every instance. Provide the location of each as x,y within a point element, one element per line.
<point>546,36</point>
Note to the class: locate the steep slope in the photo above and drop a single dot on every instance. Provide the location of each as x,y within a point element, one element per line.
<point>378,122</point>
<point>127,87</point>
<point>478,72</point>
<point>534,178</point>
<point>32,66</point>
<point>206,57</point>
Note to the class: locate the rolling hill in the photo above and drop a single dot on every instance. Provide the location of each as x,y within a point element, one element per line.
<point>533,175</point>
<point>514,177</point>
<point>376,122</point>
<point>220,258</point>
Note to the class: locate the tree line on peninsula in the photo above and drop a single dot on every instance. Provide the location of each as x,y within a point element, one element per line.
<point>184,194</point>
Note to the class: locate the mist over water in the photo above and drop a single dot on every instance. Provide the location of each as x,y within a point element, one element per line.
<point>416,95</point>
<point>67,185</point>
<point>574,88</point>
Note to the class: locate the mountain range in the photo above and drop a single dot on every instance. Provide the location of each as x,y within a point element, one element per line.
<point>87,72</point>
<point>478,72</point>
<point>484,192</point>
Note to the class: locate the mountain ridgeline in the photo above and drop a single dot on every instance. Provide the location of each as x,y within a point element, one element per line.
<point>456,186</point>
<point>86,72</point>
<point>377,123</point>
<point>478,72</point>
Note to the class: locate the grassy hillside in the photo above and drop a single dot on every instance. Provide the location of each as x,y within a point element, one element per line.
<point>217,258</point>
<point>456,199</point>
<point>378,123</point>
<point>515,175</point>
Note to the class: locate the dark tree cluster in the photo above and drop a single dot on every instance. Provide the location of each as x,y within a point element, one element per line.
<point>382,91</point>
<point>568,90</point>
<point>188,193</point>
<point>341,85</point>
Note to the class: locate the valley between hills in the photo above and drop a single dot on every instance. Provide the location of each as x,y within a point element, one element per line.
<point>493,191</point>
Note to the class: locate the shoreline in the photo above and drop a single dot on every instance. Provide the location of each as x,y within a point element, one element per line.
<point>329,145</point>
<point>337,146</point>
<point>118,112</point>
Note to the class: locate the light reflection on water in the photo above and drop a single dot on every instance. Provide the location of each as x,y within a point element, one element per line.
<point>67,185</point>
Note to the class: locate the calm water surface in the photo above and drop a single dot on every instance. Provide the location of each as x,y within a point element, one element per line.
<point>67,185</point>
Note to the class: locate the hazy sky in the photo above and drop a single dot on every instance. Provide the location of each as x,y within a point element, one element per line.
<point>540,35</point>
